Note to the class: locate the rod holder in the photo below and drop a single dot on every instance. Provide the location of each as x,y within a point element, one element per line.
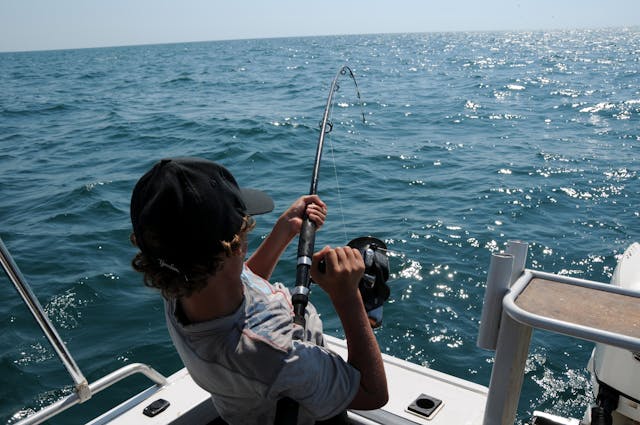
<point>507,374</point>
<point>519,251</point>
<point>498,281</point>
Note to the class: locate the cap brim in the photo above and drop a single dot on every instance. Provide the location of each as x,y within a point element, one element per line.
<point>256,201</point>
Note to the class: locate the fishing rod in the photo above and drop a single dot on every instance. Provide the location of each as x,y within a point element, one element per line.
<point>306,241</point>
<point>287,408</point>
<point>372,286</point>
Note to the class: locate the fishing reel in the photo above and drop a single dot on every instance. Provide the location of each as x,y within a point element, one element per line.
<point>373,285</point>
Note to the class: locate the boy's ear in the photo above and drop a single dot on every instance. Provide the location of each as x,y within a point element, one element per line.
<point>240,250</point>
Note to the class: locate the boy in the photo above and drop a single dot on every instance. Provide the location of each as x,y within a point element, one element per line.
<point>233,329</point>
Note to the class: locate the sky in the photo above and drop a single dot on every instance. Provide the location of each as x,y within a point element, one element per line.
<point>64,24</point>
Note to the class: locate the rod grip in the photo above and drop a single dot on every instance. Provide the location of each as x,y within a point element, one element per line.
<point>300,297</point>
<point>307,239</point>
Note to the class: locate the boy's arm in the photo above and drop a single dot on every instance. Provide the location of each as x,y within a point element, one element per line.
<point>344,269</point>
<point>288,225</point>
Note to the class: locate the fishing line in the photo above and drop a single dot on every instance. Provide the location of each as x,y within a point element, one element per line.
<point>333,158</point>
<point>335,172</point>
<point>329,132</point>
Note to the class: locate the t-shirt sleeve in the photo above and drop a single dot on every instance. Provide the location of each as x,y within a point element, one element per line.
<point>318,379</point>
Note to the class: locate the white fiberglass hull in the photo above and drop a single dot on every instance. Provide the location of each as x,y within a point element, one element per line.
<point>462,401</point>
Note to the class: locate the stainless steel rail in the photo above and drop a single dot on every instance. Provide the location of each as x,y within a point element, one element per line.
<point>20,283</point>
<point>82,390</point>
<point>94,388</point>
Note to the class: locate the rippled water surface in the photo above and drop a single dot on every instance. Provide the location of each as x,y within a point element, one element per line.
<point>471,139</point>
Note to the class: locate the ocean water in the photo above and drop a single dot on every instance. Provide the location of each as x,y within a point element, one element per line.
<point>470,139</point>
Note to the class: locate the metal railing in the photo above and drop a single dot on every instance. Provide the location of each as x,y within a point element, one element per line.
<point>82,389</point>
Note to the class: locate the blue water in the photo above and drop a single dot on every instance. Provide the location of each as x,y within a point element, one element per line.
<point>471,139</point>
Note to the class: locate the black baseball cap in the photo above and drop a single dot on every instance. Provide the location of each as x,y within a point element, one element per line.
<point>183,208</point>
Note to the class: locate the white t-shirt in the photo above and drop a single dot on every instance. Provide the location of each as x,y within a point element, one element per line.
<point>253,357</point>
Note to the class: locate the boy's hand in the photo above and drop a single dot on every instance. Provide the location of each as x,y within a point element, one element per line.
<point>344,269</point>
<point>315,209</point>
<point>289,224</point>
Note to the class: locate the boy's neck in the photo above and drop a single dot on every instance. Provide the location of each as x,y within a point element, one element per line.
<point>221,297</point>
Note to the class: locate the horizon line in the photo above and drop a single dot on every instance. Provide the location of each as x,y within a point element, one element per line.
<point>275,37</point>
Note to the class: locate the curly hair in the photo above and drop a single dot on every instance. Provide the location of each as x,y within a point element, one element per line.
<point>174,283</point>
